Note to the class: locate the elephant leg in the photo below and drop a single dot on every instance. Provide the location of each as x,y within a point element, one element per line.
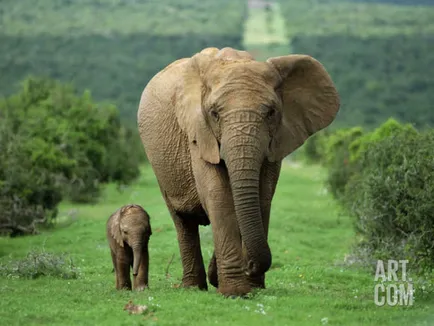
<point>215,194</point>
<point>212,271</point>
<point>231,279</point>
<point>187,230</point>
<point>114,266</point>
<point>123,272</point>
<point>269,177</point>
<point>140,282</point>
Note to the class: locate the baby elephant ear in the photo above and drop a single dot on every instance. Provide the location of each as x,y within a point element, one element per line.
<point>310,102</point>
<point>115,229</point>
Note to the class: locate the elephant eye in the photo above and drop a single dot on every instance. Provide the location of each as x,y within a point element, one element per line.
<point>271,112</point>
<point>214,114</point>
<point>268,111</point>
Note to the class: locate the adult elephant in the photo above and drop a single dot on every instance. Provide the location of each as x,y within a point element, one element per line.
<point>215,128</point>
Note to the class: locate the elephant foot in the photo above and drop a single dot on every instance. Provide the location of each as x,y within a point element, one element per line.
<point>257,282</point>
<point>192,283</point>
<point>124,287</point>
<point>234,291</point>
<point>140,288</point>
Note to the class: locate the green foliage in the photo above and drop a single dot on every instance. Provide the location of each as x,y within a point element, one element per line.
<point>344,147</point>
<point>29,192</point>
<point>56,144</point>
<point>314,149</point>
<point>385,179</point>
<point>77,17</point>
<point>387,129</point>
<point>395,84</point>
<point>40,263</point>
<point>376,54</point>
<point>116,54</point>
<point>392,198</point>
<point>355,18</point>
<point>337,159</point>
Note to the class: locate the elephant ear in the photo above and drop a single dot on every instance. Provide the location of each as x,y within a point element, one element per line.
<point>191,115</point>
<point>115,229</point>
<point>310,102</point>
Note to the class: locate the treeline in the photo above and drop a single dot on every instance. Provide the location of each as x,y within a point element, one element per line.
<point>56,144</point>
<point>378,54</point>
<point>110,47</point>
<point>384,179</point>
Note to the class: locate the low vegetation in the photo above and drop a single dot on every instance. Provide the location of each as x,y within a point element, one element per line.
<point>40,264</point>
<point>384,179</point>
<point>55,144</point>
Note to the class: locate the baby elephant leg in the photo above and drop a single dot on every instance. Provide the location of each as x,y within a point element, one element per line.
<point>122,269</point>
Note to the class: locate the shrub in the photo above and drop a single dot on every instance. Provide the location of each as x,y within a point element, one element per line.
<point>56,144</point>
<point>344,148</point>
<point>37,264</point>
<point>29,193</point>
<point>315,147</point>
<point>337,159</point>
<point>387,129</point>
<point>392,198</point>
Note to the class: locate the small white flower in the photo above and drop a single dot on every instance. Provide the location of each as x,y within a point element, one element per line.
<point>324,321</point>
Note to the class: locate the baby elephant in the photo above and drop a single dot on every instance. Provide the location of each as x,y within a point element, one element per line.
<point>128,233</point>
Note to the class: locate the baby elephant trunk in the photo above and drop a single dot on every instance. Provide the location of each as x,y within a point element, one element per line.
<point>137,258</point>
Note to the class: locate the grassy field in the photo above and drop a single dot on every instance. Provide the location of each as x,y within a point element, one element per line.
<point>307,285</point>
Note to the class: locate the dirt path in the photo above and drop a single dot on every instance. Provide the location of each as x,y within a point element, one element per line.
<point>264,34</point>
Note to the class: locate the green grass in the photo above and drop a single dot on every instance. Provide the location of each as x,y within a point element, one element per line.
<point>307,282</point>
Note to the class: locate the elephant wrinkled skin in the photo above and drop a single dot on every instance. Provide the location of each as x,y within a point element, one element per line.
<point>128,231</point>
<point>215,128</point>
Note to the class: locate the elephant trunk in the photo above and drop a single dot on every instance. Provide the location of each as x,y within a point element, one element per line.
<point>137,258</point>
<point>243,162</point>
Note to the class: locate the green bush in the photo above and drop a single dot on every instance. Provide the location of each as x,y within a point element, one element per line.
<point>392,198</point>
<point>344,147</point>
<point>314,149</point>
<point>29,193</point>
<point>337,159</point>
<point>387,129</point>
<point>57,144</point>
<point>37,264</point>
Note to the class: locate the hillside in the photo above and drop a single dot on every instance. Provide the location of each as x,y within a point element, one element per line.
<point>378,54</point>
<point>111,47</point>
